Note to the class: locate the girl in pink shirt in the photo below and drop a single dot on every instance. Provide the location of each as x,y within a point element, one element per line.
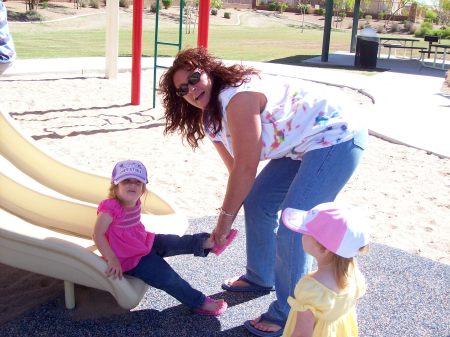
<point>128,248</point>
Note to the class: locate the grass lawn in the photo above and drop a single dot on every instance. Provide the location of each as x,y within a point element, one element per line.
<point>230,42</point>
<point>254,38</point>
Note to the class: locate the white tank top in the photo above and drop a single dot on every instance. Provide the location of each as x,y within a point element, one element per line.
<point>298,117</point>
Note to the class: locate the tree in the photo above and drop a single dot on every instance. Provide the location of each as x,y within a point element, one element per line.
<point>217,4</point>
<point>302,7</point>
<point>392,12</point>
<point>443,12</point>
<point>340,7</point>
<point>31,5</point>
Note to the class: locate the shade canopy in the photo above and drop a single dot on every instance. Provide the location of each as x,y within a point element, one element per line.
<point>327,28</point>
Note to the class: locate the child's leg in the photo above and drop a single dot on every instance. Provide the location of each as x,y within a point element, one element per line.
<point>166,245</point>
<point>156,272</point>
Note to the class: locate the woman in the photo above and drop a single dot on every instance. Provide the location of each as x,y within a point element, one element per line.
<point>313,150</point>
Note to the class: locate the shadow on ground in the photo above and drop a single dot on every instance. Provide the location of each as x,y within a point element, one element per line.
<point>342,60</point>
<point>299,60</point>
<point>407,296</point>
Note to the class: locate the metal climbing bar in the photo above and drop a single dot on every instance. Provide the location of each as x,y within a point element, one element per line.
<point>157,43</point>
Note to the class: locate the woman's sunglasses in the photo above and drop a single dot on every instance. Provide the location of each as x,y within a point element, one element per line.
<point>193,79</point>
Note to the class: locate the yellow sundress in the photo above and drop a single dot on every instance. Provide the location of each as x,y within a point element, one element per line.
<point>335,314</point>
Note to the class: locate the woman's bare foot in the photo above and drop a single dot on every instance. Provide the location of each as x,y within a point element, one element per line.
<point>264,325</point>
<point>241,284</point>
<point>236,282</point>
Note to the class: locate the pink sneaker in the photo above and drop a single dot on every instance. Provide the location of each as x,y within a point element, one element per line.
<point>219,311</point>
<point>216,249</point>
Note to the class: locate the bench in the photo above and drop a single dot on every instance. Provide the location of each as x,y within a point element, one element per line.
<point>431,52</point>
<point>400,46</point>
<point>435,53</point>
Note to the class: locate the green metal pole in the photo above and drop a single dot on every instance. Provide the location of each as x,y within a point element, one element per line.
<point>355,25</point>
<point>155,54</point>
<point>180,31</point>
<point>327,30</point>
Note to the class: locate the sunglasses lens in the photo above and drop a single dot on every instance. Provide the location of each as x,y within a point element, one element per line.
<point>194,77</point>
<point>182,90</point>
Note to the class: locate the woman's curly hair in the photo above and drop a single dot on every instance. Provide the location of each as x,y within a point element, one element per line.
<point>187,119</point>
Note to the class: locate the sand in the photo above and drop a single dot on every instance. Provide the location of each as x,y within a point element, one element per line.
<point>86,121</point>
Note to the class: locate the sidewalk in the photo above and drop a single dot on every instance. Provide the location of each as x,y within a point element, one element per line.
<point>409,106</point>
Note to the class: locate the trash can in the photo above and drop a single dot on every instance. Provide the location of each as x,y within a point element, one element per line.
<point>366,53</point>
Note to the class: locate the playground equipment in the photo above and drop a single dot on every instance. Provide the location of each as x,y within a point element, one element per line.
<point>157,43</point>
<point>202,41</point>
<point>112,38</point>
<point>47,213</point>
<point>203,23</point>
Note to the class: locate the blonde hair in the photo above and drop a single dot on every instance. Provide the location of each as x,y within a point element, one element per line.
<point>112,192</point>
<point>344,267</point>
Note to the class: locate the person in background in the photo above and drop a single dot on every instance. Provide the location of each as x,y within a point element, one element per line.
<point>7,50</point>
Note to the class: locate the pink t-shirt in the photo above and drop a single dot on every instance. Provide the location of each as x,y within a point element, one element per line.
<point>126,234</point>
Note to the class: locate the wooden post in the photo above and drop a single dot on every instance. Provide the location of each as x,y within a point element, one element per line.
<point>112,38</point>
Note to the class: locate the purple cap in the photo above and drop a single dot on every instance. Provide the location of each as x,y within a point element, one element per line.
<point>338,228</point>
<point>128,169</point>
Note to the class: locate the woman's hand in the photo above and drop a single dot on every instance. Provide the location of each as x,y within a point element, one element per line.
<point>222,230</point>
<point>114,269</point>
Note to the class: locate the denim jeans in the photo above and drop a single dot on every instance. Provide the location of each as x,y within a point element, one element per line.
<point>156,272</point>
<point>275,254</point>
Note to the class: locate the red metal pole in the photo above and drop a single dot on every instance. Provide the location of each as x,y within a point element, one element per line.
<point>138,8</point>
<point>203,23</point>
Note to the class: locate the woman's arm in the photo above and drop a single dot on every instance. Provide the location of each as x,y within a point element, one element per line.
<point>101,226</point>
<point>225,155</point>
<point>244,123</point>
<point>304,324</point>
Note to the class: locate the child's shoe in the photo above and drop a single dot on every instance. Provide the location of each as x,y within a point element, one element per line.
<point>216,249</point>
<point>219,307</point>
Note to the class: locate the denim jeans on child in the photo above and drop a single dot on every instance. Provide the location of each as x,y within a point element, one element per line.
<point>156,272</point>
<point>275,254</point>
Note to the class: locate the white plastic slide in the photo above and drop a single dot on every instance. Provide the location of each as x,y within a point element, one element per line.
<point>47,214</point>
<point>24,153</point>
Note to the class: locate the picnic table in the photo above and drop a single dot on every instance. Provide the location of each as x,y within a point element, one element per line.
<point>399,43</point>
<point>440,49</point>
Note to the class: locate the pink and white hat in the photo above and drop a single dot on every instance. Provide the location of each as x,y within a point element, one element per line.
<point>337,227</point>
<point>129,169</point>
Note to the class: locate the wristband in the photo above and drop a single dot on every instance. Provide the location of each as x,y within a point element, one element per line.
<point>223,212</point>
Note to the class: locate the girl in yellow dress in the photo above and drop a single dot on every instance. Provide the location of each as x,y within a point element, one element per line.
<point>324,303</point>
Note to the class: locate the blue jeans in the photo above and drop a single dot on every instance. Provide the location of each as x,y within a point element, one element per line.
<point>275,254</point>
<point>156,272</point>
